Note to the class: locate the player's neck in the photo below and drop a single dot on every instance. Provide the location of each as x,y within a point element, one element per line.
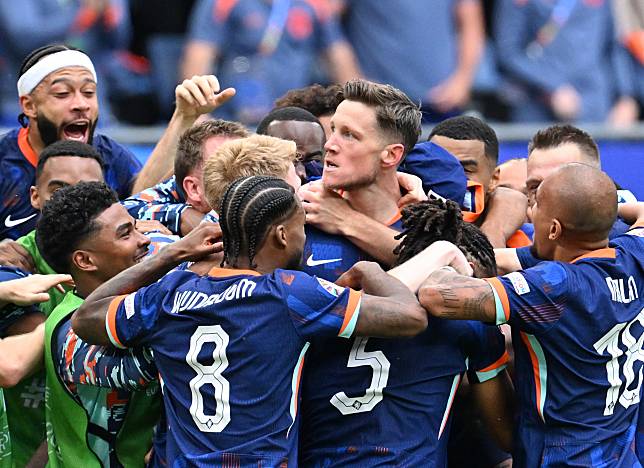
<point>567,251</point>
<point>33,137</point>
<point>379,200</point>
<point>85,284</point>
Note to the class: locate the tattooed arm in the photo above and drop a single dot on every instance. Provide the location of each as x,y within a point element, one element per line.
<point>446,294</point>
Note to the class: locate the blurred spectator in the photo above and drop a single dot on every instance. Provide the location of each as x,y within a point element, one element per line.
<point>430,50</point>
<point>263,49</point>
<point>158,33</point>
<point>629,24</point>
<point>96,26</point>
<point>560,58</point>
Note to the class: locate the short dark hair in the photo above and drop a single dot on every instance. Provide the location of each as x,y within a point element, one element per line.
<point>249,207</point>
<point>68,218</point>
<point>286,113</point>
<point>68,148</point>
<point>427,222</point>
<point>190,147</point>
<point>34,57</point>
<point>557,135</point>
<point>396,114</point>
<point>317,99</point>
<point>466,127</point>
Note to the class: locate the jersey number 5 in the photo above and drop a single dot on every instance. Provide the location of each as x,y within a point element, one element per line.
<point>373,395</point>
<point>210,374</point>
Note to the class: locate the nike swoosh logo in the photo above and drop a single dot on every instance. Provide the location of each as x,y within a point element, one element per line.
<point>14,222</point>
<point>310,262</point>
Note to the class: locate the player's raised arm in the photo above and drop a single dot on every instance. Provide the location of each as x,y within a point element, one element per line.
<point>449,295</point>
<point>388,308</point>
<point>89,320</point>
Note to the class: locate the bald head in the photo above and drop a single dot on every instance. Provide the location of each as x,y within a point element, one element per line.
<point>582,198</point>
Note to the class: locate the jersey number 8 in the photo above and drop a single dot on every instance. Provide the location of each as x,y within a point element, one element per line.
<point>210,374</point>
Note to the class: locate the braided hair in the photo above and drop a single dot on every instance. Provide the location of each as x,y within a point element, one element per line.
<point>427,222</point>
<point>249,207</point>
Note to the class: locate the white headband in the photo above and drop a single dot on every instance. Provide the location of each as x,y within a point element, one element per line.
<point>50,63</point>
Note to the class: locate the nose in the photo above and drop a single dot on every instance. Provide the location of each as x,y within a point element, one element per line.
<point>330,144</point>
<point>144,241</point>
<point>80,102</point>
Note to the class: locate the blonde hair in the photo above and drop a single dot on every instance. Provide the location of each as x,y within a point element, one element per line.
<point>254,155</point>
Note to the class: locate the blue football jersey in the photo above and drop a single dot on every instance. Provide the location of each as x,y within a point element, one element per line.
<point>230,349</point>
<point>328,255</point>
<point>578,334</point>
<point>18,168</point>
<point>379,402</point>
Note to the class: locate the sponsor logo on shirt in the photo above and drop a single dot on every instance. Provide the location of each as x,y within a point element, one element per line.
<point>191,299</point>
<point>519,283</point>
<point>330,287</point>
<point>312,262</point>
<point>14,222</point>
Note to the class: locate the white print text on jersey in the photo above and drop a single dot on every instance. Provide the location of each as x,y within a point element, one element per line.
<point>196,300</point>
<point>617,291</point>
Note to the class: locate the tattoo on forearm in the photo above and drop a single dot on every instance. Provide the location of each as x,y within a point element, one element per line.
<point>465,299</point>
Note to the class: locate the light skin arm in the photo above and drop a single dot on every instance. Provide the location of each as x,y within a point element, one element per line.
<point>194,97</point>
<point>632,213</point>
<point>448,295</point>
<point>495,400</point>
<point>20,355</point>
<point>89,320</point>
<point>414,271</point>
<point>330,213</point>
<point>388,307</point>
<point>505,213</point>
<point>507,261</point>
<point>455,90</point>
<point>30,290</point>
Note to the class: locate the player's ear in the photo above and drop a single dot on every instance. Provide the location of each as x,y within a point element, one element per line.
<point>494,182</point>
<point>281,236</point>
<point>34,197</point>
<point>392,154</point>
<point>556,230</point>
<point>83,260</point>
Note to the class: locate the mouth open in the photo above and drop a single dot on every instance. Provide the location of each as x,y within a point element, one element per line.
<point>329,165</point>
<point>139,258</point>
<point>76,131</point>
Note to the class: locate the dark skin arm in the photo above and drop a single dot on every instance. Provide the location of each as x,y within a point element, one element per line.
<point>448,295</point>
<point>15,255</point>
<point>495,400</point>
<point>388,308</point>
<point>505,212</point>
<point>89,320</point>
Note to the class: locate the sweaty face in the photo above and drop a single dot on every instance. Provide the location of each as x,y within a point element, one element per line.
<point>61,171</point>
<point>66,106</point>
<point>116,245</point>
<point>543,162</point>
<point>471,155</point>
<point>354,149</point>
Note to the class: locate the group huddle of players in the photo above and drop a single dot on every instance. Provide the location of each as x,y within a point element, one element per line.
<point>327,291</point>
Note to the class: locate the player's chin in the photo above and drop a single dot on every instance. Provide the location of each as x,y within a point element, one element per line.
<point>140,256</point>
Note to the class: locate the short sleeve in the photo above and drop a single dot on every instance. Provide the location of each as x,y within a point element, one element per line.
<point>317,307</point>
<point>487,355</point>
<point>132,318</point>
<point>532,299</point>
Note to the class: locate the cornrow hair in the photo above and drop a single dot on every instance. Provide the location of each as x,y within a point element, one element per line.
<point>249,208</point>
<point>427,222</point>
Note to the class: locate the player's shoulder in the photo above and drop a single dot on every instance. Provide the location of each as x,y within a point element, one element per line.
<point>110,149</point>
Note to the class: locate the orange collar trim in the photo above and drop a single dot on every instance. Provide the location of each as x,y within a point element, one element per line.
<point>395,219</point>
<point>600,253</point>
<point>225,272</point>
<point>25,148</point>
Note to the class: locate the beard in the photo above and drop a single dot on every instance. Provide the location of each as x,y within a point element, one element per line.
<point>50,133</point>
<point>356,182</point>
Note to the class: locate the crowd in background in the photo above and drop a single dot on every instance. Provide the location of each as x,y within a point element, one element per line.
<point>507,60</point>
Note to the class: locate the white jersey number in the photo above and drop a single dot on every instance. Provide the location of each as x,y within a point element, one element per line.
<point>209,375</point>
<point>619,341</point>
<point>373,395</point>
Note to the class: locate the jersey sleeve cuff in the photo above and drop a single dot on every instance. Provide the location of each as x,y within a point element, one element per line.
<point>494,369</point>
<point>501,302</point>
<point>110,321</point>
<point>351,314</point>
